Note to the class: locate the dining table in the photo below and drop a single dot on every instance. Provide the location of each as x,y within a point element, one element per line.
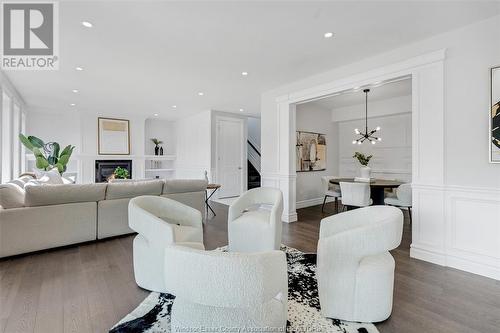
<point>377,187</point>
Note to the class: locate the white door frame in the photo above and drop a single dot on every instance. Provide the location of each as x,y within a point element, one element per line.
<point>427,74</point>
<point>244,170</point>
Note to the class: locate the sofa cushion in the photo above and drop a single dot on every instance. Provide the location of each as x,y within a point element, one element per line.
<point>11,195</point>
<point>41,195</point>
<point>121,190</point>
<point>21,181</point>
<point>184,185</point>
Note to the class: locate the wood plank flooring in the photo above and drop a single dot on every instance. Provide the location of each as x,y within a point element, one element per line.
<point>89,287</point>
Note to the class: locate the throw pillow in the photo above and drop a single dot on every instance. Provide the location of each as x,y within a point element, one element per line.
<point>52,177</point>
<point>11,196</point>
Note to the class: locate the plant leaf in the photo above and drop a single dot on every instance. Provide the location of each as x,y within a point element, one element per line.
<point>24,140</point>
<point>36,142</point>
<point>52,160</point>
<point>56,148</point>
<point>41,162</point>
<point>64,159</point>
<point>66,150</point>
<point>60,167</point>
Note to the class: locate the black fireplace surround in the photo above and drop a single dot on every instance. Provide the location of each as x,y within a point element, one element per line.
<point>105,168</point>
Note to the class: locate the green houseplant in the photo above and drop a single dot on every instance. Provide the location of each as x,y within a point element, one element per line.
<point>365,170</point>
<point>48,155</point>
<point>121,173</point>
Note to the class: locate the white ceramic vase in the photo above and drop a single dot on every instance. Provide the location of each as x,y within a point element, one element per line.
<point>365,172</point>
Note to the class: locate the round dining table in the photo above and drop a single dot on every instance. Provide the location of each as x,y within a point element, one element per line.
<point>377,187</point>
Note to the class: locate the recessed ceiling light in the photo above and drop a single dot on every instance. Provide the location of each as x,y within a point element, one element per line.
<point>174,106</point>
<point>201,93</point>
<point>72,104</point>
<point>79,68</point>
<point>241,110</point>
<point>244,73</point>
<point>156,114</point>
<point>75,90</point>
<point>328,34</point>
<point>87,24</point>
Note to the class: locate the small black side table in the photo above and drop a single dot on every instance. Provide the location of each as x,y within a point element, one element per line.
<point>213,188</point>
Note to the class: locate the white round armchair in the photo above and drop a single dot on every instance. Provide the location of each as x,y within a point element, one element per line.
<point>253,229</point>
<point>215,289</point>
<point>160,222</point>
<point>355,271</point>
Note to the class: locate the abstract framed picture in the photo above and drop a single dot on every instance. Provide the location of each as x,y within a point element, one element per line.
<point>494,130</point>
<point>311,151</point>
<point>113,136</point>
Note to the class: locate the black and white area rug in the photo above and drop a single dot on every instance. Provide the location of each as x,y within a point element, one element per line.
<point>153,314</point>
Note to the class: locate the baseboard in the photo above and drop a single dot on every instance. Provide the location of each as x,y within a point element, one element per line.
<point>455,262</point>
<point>289,218</point>
<point>313,202</point>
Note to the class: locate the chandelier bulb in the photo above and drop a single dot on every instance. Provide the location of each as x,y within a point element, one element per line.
<point>379,139</point>
<point>378,128</point>
<point>354,142</point>
<point>373,142</point>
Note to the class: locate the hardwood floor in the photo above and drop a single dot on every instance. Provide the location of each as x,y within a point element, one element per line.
<point>88,288</point>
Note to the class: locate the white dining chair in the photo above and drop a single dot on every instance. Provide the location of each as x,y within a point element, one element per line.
<point>330,191</point>
<point>403,198</point>
<point>355,194</point>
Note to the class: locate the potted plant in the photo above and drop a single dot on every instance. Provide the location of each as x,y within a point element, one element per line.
<point>157,145</point>
<point>121,173</point>
<point>48,155</point>
<point>365,170</point>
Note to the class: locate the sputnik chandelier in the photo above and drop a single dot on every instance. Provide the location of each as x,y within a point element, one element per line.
<point>366,136</point>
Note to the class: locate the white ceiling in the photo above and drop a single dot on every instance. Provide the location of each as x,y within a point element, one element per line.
<point>143,57</point>
<point>377,92</point>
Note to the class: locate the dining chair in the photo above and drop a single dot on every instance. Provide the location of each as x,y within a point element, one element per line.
<point>330,190</point>
<point>355,194</point>
<point>403,198</point>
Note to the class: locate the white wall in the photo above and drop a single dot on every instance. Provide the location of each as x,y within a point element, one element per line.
<point>163,130</point>
<point>312,118</point>
<point>379,108</point>
<point>193,145</point>
<point>459,220</point>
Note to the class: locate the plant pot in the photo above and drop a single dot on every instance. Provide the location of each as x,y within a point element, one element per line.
<point>365,172</point>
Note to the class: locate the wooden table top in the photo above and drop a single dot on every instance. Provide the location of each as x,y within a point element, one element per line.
<point>213,186</point>
<point>385,183</point>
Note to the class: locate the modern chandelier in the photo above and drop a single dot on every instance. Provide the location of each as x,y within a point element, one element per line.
<point>366,136</point>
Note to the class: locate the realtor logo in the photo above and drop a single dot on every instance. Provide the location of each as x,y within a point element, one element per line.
<point>30,36</point>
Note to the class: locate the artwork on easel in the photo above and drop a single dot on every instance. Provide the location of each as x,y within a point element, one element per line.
<point>311,151</point>
<point>495,116</point>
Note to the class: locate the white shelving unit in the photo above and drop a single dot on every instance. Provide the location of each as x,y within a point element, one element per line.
<point>159,166</point>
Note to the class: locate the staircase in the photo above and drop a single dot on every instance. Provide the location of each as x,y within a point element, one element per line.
<point>253,166</point>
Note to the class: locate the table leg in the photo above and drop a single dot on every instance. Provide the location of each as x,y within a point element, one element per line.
<point>377,194</point>
<point>207,200</point>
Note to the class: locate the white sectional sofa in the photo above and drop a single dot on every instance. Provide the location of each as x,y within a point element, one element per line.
<point>34,218</point>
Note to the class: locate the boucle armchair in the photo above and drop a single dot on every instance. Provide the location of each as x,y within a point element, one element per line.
<point>355,271</point>
<point>160,222</point>
<point>215,289</point>
<point>254,221</point>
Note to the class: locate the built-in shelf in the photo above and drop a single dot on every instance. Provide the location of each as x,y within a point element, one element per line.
<point>152,170</point>
<point>160,157</point>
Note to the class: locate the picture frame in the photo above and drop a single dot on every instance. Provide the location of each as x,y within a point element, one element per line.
<point>494,116</point>
<point>113,136</point>
<point>311,145</point>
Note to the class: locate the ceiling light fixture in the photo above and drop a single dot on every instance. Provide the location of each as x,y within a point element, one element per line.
<point>75,90</point>
<point>366,136</point>
<point>328,34</point>
<point>241,110</point>
<point>79,68</point>
<point>87,24</point>
<point>72,104</point>
<point>244,73</point>
<point>174,106</point>
<point>200,94</point>
<point>156,114</point>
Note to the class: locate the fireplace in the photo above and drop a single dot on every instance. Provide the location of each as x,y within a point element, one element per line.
<point>105,168</point>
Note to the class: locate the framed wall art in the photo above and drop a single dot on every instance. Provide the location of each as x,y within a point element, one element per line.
<point>494,130</point>
<point>311,151</point>
<point>113,136</point>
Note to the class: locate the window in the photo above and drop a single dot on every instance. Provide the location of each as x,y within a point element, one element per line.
<point>16,144</point>
<point>6,138</point>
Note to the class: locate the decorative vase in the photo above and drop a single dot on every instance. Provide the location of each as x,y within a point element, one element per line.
<point>161,150</point>
<point>157,150</point>
<point>365,172</point>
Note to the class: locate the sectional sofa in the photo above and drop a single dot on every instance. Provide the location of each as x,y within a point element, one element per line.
<point>34,218</point>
